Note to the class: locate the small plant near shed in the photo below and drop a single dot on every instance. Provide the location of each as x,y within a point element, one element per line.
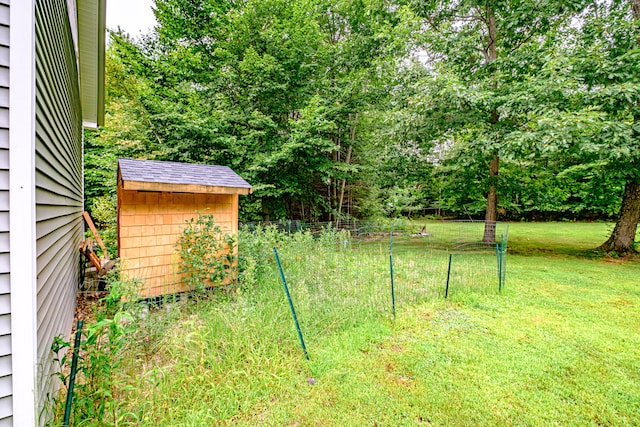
<point>208,256</point>
<point>105,352</point>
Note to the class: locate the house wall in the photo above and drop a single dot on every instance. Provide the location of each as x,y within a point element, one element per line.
<point>5,291</point>
<point>150,224</point>
<point>59,185</point>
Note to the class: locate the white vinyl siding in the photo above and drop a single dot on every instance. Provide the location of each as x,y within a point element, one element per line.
<point>5,288</point>
<point>59,192</point>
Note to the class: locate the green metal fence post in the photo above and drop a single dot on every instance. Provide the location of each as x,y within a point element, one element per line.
<point>503,249</point>
<point>72,376</point>
<point>293,310</point>
<point>504,246</point>
<point>499,265</point>
<point>393,290</point>
<point>446,289</point>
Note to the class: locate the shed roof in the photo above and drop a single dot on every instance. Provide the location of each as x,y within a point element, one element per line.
<point>185,177</point>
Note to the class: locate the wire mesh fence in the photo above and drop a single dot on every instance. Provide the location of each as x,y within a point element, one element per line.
<point>341,273</point>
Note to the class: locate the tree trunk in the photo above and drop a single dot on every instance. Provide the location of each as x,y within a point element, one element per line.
<point>266,212</point>
<point>635,11</point>
<point>624,233</point>
<point>352,134</point>
<point>344,184</point>
<point>491,214</point>
<point>623,236</point>
<point>492,35</point>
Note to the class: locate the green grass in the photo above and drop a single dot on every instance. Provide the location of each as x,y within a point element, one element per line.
<point>559,346</point>
<point>569,238</point>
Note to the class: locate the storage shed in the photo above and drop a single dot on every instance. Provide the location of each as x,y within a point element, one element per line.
<point>155,198</point>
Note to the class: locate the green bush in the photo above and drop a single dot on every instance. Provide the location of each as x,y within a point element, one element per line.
<point>104,215</point>
<point>105,352</point>
<point>207,254</point>
<point>255,252</point>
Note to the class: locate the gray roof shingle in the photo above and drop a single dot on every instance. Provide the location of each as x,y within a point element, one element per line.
<point>180,173</point>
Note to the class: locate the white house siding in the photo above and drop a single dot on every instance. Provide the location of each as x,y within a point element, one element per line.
<point>5,296</point>
<point>59,191</point>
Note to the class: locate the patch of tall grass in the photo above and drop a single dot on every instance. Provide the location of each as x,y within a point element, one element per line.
<point>559,346</point>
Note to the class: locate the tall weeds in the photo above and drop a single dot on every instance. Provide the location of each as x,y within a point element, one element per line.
<point>141,358</point>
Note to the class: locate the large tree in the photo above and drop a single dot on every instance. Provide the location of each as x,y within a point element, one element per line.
<point>276,89</point>
<point>482,52</point>
<point>619,83</point>
<point>594,124</point>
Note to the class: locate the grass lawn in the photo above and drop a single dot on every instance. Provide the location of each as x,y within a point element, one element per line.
<point>559,346</point>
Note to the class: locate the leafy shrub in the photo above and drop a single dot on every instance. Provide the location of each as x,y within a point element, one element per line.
<point>104,215</point>
<point>105,350</point>
<point>255,252</point>
<point>207,254</point>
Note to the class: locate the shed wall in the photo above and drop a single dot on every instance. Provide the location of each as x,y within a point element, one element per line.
<point>5,291</point>
<point>59,185</point>
<point>150,224</point>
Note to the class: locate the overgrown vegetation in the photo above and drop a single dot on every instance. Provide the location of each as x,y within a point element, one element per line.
<point>104,215</point>
<point>207,254</point>
<point>559,346</point>
<point>110,337</point>
<point>518,109</point>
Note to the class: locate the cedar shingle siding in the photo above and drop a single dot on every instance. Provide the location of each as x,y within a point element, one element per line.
<point>155,198</point>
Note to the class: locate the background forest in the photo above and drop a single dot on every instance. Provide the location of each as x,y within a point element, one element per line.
<point>495,109</point>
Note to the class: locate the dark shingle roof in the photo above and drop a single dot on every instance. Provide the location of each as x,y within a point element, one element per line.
<point>180,173</point>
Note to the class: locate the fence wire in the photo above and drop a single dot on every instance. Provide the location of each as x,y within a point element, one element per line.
<point>339,274</point>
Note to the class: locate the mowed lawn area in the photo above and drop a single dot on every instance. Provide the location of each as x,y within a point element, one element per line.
<point>559,346</point>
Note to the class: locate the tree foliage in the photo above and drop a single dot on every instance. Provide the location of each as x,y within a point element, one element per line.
<point>325,109</point>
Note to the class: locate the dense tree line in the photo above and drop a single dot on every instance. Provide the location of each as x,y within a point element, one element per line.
<point>495,109</point>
